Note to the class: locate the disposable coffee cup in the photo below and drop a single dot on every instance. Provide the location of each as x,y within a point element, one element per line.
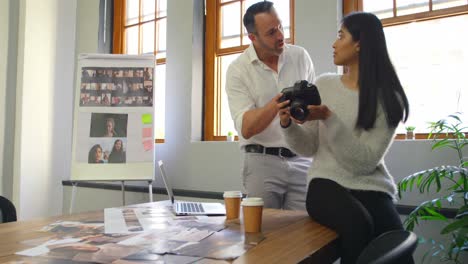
<point>232,201</point>
<point>252,212</point>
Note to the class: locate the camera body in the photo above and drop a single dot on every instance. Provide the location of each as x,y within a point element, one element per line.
<point>301,94</point>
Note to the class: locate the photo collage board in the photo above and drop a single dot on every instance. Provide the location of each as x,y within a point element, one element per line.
<point>114,112</point>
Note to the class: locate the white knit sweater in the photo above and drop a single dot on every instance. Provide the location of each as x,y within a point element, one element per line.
<point>349,156</point>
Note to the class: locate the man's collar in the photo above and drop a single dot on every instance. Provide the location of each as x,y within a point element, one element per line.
<point>252,54</point>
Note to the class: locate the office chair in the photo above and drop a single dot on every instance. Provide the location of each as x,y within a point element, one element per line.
<point>391,247</point>
<point>7,210</point>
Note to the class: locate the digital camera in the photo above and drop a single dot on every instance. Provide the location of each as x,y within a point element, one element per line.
<point>301,94</point>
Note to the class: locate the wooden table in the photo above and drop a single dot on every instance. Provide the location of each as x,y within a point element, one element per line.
<point>290,237</point>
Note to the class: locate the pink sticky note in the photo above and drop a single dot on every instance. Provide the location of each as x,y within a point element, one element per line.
<point>148,144</point>
<point>147,132</point>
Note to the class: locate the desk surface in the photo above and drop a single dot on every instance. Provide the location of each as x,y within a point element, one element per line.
<point>290,237</point>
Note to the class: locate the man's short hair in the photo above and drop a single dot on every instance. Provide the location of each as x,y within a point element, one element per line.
<point>249,17</point>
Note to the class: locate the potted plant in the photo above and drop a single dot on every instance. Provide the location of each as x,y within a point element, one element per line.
<point>410,132</point>
<point>456,177</point>
<point>230,136</point>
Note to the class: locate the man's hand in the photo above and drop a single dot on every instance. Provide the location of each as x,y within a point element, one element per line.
<point>284,114</point>
<point>256,120</point>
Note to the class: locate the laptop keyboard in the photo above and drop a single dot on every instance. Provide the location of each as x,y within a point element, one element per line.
<point>189,207</point>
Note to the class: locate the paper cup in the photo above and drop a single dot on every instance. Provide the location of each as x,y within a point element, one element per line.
<point>252,209</point>
<point>232,200</point>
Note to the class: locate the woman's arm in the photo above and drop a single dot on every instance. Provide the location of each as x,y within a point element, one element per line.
<point>301,138</point>
<point>359,151</point>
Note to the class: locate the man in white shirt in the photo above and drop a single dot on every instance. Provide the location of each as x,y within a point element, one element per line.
<point>253,85</point>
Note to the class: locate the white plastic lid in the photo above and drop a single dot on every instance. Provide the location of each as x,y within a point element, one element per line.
<point>252,201</point>
<point>232,194</point>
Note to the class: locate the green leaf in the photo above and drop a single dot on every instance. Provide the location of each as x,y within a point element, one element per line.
<point>464,164</point>
<point>441,143</point>
<point>433,218</point>
<point>429,180</point>
<point>456,117</point>
<point>461,237</point>
<point>411,182</point>
<point>460,215</point>
<point>420,178</point>
<point>437,178</point>
<point>463,209</point>
<point>455,225</point>
<point>435,214</point>
<point>403,185</point>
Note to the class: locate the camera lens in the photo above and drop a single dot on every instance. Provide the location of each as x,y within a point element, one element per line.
<point>298,113</point>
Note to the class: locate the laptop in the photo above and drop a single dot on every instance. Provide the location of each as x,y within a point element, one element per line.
<point>186,207</point>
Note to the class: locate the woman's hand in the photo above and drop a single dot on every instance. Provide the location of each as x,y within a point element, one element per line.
<point>318,112</point>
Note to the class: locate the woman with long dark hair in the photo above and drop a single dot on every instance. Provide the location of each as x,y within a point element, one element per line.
<point>95,154</point>
<point>117,154</point>
<point>349,134</point>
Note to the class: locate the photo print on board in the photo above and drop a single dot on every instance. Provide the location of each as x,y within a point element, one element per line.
<point>108,125</point>
<point>107,150</point>
<point>116,87</point>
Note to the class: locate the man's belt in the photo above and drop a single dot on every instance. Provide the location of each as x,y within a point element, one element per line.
<point>282,152</point>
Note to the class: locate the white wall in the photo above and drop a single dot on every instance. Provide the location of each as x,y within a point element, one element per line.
<point>9,104</point>
<point>87,22</point>
<point>4,30</point>
<point>316,28</point>
<point>46,47</point>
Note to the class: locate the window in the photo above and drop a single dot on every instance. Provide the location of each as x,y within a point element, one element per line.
<point>226,39</point>
<point>140,28</point>
<point>429,53</point>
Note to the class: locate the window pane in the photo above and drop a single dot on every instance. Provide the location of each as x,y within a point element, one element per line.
<point>406,7</point>
<point>441,4</point>
<point>160,93</point>
<point>226,121</point>
<point>230,25</point>
<point>282,8</point>
<point>382,8</point>
<point>162,8</point>
<point>431,69</point>
<point>245,39</point>
<point>131,34</point>
<point>133,11</point>
<point>161,48</point>
<point>148,38</point>
<point>148,9</point>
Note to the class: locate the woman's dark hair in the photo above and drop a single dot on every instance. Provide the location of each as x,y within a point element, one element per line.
<point>121,146</point>
<point>257,8</point>
<point>378,81</point>
<point>92,153</point>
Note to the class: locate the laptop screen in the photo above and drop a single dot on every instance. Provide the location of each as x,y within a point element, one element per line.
<point>166,181</point>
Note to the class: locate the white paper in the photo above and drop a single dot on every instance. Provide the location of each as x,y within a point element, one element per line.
<point>114,221</point>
